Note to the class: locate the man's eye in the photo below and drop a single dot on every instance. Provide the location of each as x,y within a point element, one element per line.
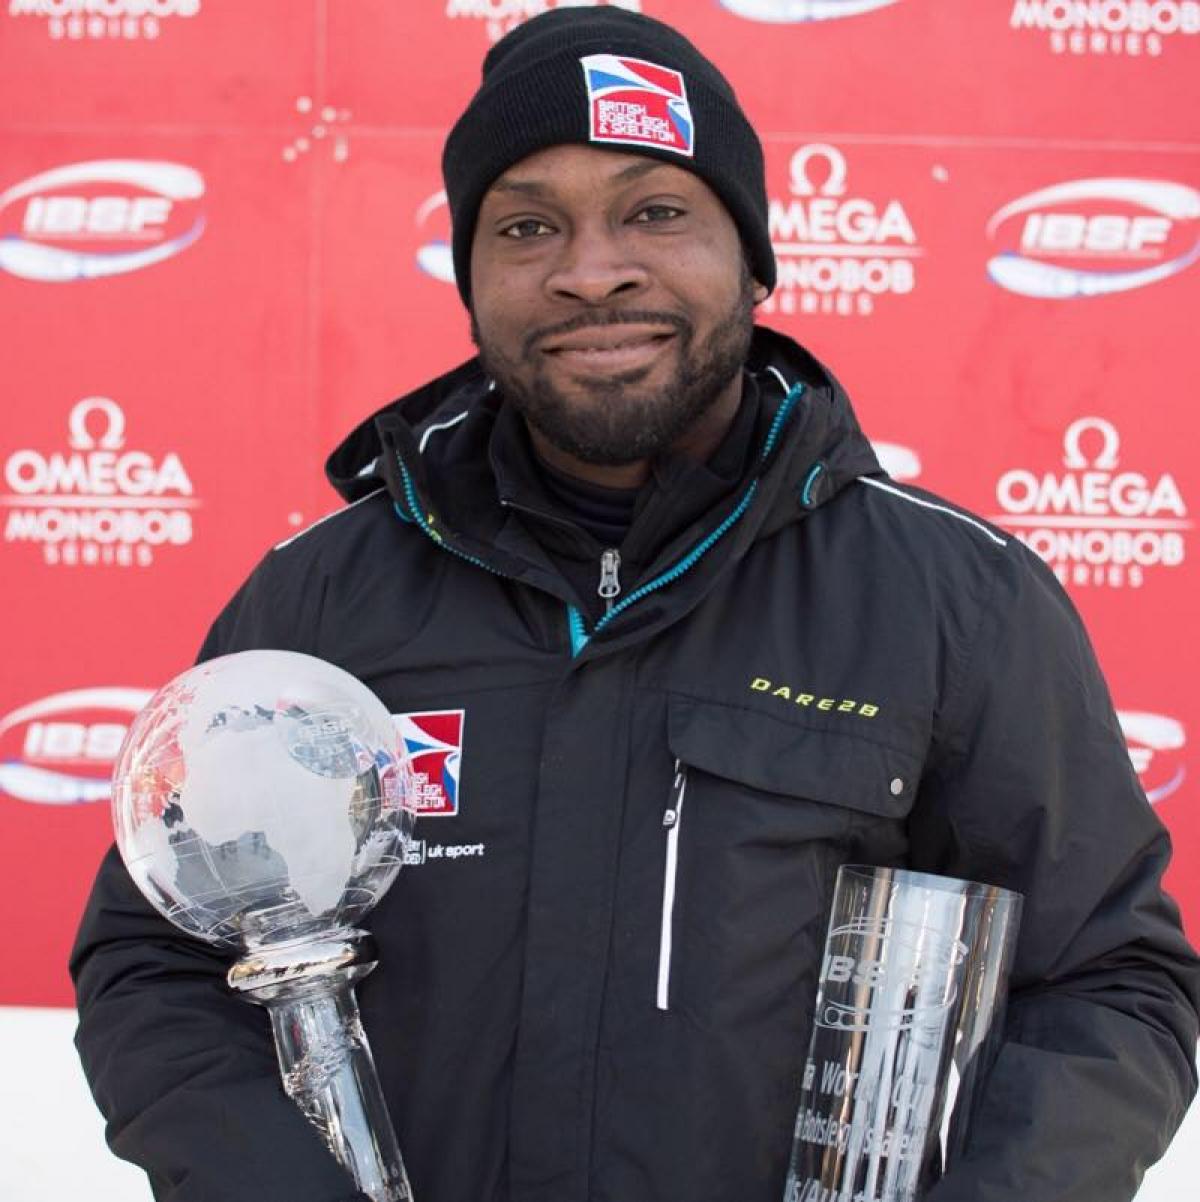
<point>653,213</point>
<point>527,227</point>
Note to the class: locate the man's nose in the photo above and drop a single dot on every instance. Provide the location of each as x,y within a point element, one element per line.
<point>596,266</point>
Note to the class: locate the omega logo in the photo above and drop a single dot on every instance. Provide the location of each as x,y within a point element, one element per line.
<point>835,182</point>
<point>81,439</point>
<point>1073,456</point>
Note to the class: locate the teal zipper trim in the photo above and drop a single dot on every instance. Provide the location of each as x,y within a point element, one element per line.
<point>705,545</point>
<point>417,516</point>
<point>807,491</point>
<point>785,411</point>
<point>579,634</point>
<point>575,624</point>
<point>685,565</point>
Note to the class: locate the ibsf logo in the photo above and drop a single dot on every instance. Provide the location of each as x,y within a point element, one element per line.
<point>1128,27</point>
<point>61,750</point>
<point>99,502</point>
<point>836,252</point>
<point>788,12</point>
<point>1092,237</point>
<point>1156,745</point>
<point>90,220</point>
<point>901,960</point>
<point>1094,523</point>
<point>900,462</point>
<point>434,742</point>
<point>434,255</point>
<point>131,20</point>
<point>503,16</point>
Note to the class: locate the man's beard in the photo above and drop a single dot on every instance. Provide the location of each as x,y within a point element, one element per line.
<point>611,421</point>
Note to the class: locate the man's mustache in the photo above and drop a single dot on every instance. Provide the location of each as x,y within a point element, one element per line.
<point>611,317</point>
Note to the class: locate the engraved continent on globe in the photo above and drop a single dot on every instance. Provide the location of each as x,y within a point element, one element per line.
<point>261,797</point>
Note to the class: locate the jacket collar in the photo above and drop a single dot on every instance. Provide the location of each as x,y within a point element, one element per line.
<point>440,432</point>
<point>430,450</point>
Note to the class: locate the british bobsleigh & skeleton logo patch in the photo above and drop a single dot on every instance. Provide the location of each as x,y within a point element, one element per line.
<point>434,743</point>
<point>635,103</point>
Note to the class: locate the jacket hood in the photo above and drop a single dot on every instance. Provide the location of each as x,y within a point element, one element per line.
<point>438,427</point>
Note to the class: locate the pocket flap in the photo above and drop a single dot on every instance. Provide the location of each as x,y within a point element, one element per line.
<point>830,766</point>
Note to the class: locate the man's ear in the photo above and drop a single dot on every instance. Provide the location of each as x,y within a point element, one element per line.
<point>760,292</point>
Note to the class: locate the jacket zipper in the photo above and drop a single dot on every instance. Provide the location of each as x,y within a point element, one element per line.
<point>673,821</point>
<point>578,632</point>
<point>580,636</point>
<point>425,524</point>
<point>610,580</point>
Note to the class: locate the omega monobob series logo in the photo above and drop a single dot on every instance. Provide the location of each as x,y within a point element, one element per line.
<point>99,502</point>
<point>503,16</point>
<point>838,250</point>
<point>1108,27</point>
<point>1097,522</point>
<point>128,20</point>
<point>90,220</point>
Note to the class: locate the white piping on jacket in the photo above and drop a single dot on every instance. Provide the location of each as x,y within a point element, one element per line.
<point>782,382</point>
<point>337,513</point>
<point>440,426</point>
<point>672,820</point>
<point>962,517</point>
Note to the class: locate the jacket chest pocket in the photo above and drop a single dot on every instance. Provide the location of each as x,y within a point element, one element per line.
<point>759,815</point>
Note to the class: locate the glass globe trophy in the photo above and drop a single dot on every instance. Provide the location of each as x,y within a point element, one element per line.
<point>261,803</point>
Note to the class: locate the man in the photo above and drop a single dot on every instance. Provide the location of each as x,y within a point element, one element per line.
<point>706,653</point>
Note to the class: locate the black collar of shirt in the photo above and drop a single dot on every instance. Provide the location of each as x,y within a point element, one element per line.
<point>575,521</point>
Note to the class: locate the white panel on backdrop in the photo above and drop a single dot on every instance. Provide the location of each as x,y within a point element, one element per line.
<point>54,1140</point>
<point>53,1134</point>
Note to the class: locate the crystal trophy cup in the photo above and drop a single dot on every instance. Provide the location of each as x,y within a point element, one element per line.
<point>260,802</point>
<point>910,1005</point>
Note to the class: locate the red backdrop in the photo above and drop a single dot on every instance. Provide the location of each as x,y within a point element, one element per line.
<point>222,242</point>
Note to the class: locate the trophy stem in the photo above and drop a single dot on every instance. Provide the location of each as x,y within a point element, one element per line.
<point>324,1058</point>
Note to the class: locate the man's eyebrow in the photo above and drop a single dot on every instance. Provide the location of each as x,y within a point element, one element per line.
<point>528,187</point>
<point>538,187</point>
<point>636,171</point>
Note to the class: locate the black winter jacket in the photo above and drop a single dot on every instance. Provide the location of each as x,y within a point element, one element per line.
<point>592,1003</point>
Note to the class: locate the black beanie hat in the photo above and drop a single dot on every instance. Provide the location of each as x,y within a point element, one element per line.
<point>536,92</point>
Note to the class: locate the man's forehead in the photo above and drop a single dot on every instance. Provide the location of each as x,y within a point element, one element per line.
<point>558,167</point>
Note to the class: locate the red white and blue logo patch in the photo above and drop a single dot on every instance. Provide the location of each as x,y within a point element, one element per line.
<point>434,744</point>
<point>636,103</point>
